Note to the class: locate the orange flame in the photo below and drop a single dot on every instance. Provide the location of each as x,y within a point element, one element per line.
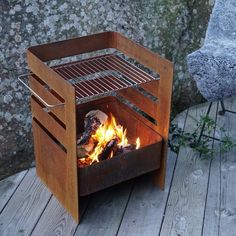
<point>105,133</point>
<point>137,143</point>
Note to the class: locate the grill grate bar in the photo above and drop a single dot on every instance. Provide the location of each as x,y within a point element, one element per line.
<point>101,87</point>
<point>79,92</point>
<point>87,91</point>
<point>96,70</point>
<point>124,71</point>
<point>79,76</point>
<point>104,72</point>
<point>101,75</point>
<point>82,82</point>
<point>134,68</point>
<point>124,81</point>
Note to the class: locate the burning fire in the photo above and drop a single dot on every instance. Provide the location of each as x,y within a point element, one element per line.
<point>137,143</point>
<point>109,135</point>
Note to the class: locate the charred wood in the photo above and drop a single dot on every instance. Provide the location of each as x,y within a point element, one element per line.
<point>126,149</point>
<point>110,147</point>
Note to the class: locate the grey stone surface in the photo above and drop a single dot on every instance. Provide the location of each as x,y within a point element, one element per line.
<point>214,65</point>
<point>171,28</point>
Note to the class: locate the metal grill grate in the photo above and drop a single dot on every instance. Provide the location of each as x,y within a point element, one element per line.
<point>101,75</point>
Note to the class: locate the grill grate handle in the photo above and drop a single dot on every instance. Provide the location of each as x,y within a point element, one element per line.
<point>22,77</point>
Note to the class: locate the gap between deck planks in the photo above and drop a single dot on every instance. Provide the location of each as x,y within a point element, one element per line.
<point>186,203</point>
<point>25,207</point>
<point>227,210</point>
<point>8,186</point>
<point>55,220</point>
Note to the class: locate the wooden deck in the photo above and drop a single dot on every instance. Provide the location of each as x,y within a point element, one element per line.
<point>199,199</point>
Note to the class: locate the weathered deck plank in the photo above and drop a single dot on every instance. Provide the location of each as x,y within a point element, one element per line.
<point>212,209</point>
<point>8,187</point>
<point>105,211</point>
<point>186,203</point>
<point>25,207</point>
<point>56,221</point>
<point>146,206</point>
<point>228,175</point>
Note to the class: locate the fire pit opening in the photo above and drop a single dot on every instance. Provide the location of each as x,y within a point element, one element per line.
<point>109,124</point>
<point>125,164</point>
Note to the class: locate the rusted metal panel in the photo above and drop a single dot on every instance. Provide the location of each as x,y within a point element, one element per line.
<point>119,168</point>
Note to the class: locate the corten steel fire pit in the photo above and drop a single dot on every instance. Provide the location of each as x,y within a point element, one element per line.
<point>58,107</point>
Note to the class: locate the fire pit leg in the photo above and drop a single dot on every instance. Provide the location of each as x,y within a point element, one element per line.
<point>160,174</point>
<point>163,119</point>
<point>222,112</point>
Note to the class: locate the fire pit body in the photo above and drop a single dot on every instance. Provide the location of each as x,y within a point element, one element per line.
<point>62,96</point>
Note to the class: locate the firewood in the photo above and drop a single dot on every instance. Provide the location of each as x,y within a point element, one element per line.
<point>84,149</point>
<point>110,147</point>
<point>92,121</point>
<point>83,162</point>
<point>126,149</point>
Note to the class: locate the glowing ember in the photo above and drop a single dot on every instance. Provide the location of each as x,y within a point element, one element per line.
<point>109,138</point>
<point>138,143</point>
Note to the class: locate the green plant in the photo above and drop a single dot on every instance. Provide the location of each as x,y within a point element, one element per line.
<point>200,142</point>
<point>227,142</point>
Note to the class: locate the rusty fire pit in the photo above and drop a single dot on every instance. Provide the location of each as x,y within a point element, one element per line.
<point>62,96</point>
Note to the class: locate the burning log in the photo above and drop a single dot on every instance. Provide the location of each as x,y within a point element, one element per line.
<point>126,149</point>
<point>102,139</point>
<point>84,149</point>
<point>110,150</point>
<point>111,147</point>
<point>92,121</point>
